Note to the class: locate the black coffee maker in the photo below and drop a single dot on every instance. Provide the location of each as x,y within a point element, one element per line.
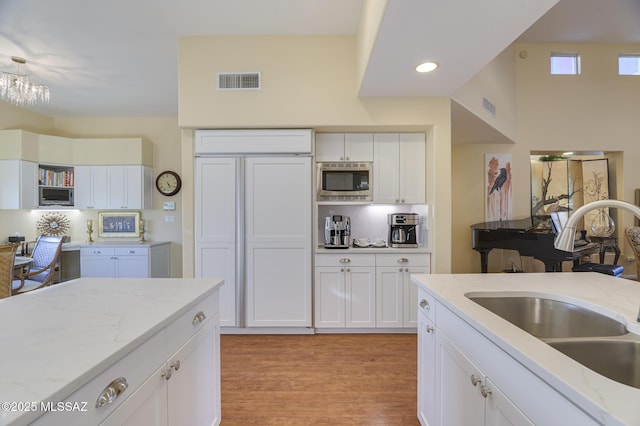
<point>403,229</point>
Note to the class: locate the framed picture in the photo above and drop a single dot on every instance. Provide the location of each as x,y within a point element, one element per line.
<point>119,224</point>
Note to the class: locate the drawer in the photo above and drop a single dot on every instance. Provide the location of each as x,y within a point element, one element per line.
<point>131,251</point>
<point>426,304</point>
<point>135,367</point>
<point>345,258</point>
<point>97,251</point>
<point>179,331</point>
<point>403,259</point>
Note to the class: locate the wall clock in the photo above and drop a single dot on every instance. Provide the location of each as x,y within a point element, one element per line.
<point>168,183</point>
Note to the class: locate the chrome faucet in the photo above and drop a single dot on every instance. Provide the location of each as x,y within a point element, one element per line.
<point>565,240</point>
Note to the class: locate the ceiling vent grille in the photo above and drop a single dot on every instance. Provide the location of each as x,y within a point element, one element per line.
<point>488,106</point>
<point>239,81</point>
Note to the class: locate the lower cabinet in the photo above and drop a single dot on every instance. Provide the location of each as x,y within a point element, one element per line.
<point>172,378</point>
<point>367,290</point>
<point>136,261</point>
<point>466,379</point>
<point>168,397</point>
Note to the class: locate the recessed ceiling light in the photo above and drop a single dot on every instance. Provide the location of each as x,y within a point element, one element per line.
<point>427,67</point>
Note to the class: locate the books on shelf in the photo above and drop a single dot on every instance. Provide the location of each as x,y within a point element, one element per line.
<point>56,177</point>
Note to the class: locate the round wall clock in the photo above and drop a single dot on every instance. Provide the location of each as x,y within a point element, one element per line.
<point>168,183</point>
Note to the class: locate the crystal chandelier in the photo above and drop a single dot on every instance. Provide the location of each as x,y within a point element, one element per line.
<point>17,89</point>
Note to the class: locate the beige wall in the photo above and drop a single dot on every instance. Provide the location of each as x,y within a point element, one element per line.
<point>308,82</point>
<point>596,110</point>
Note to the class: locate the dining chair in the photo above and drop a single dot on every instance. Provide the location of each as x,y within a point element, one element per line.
<point>7,258</point>
<point>632,233</point>
<point>40,271</point>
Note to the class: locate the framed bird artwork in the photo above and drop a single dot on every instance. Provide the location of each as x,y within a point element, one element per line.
<point>498,186</point>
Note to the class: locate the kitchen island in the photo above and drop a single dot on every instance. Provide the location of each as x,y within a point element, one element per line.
<point>466,351</point>
<point>96,350</point>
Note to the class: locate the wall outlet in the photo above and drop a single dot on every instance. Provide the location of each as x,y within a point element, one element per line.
<point>169,205</point>
<point>170,218</point>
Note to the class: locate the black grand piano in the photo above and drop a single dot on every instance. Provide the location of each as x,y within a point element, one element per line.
<point>525,236</point>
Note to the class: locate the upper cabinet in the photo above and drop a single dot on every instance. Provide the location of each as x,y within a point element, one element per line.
<point>18,185</point>
<point>357,147</point>
<point>114,187</point>
<point>399,168</point>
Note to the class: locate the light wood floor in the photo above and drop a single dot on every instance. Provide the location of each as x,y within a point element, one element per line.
<point>325,379</point>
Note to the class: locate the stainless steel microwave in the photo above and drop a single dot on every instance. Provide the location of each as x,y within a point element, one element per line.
<point>345,181</point>
<point>55,196</point>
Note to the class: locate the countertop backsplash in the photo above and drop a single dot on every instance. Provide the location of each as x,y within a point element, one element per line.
<point>370,221</point>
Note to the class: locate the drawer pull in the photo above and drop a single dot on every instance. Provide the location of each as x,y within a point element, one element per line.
<point>345,260</point>
<point>97,252</point>
<point>132,252</point>
<point>424,304</point>
<point>112,392</point>
<point>199,317</point>
<point>403,260</point>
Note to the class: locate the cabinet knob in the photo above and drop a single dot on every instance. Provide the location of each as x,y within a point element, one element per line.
<point>406,269</point>
<point>348,269</point>
<point>430,329</point>
<point>397,200</point>
<point>167,374</point>
<point>485,391</point>
<point>475,380</point>
<point>402,201</point>
<point>112,392</point>
<point>176,365</point>
<point>399,269</point>
<point>199,317</point>
<point>424,304</point>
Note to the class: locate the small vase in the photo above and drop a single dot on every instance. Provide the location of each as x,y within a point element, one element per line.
<point>603,225</point>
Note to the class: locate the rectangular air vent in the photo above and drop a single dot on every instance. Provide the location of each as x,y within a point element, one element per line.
<point>238,81</point>
<point>486,104</point>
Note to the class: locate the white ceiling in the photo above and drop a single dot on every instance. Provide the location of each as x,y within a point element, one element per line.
<point>119,58</point>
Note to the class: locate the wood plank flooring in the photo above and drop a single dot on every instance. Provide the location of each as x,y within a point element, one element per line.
<point>322,379</point>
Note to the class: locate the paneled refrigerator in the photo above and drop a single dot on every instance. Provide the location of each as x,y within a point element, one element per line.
<point>253,229</point>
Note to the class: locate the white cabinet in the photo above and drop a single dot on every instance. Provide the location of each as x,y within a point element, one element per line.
<point>168,396</point>
<point>345,291</point>
<point>18,185</point>
<point>150,261</point>
<point>399,168</point>
<point>475,381</point>
<point>396,296</point>
<point>172,378</point>
<point>114,187</point>
<point>344,147</point>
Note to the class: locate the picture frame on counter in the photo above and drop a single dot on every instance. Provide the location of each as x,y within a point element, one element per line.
<point>119,224</point>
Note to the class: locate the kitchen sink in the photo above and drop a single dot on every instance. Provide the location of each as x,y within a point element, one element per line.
<point>548,319</point>
<point>616,359</point>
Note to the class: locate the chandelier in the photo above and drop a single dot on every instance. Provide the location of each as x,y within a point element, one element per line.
<point>17,89</point>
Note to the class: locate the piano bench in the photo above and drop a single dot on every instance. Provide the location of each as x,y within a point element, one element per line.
<point>615,270</point>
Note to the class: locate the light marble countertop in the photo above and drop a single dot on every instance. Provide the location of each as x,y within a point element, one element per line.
<point>77,245</point>
<point>54,340</point>
<point>381,250</point>
<point>604,399</point>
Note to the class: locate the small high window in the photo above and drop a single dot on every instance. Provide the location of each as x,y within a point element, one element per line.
<point>565,63</point>
<point>629,65</point>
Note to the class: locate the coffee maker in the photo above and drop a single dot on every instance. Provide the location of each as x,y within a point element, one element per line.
<point>403,229</point>
<point>337,231</point>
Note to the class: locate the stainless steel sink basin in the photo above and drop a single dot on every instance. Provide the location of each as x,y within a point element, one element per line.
<point>616,359</point>
<point>548,319</point>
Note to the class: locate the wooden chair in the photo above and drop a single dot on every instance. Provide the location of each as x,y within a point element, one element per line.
<point>40,272</point>
<point>7,258</point>
<point>633,237</point>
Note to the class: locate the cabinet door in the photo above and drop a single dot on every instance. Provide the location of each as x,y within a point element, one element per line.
<point>132,266</point>
<point>500,410</point>
<point>412,168</point>
<point>360,292</point>
<point>100,186</point>
<point>215,200</point>
<point>218,261</point>
<point>358,147</point>
<point>91,187</point>
<point>28,185</point>
<point>97,266</point>
<point>146,406</point>
<point>193,396</point>
<point>329,297</point>
<point>458,381</point>
<point>330,147</point>
<point>426,370</point>
<point>278,285</point>
<point>18,184</point>
<point>410,294</point>
<point>390,297</point>
<point>386,176</point>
